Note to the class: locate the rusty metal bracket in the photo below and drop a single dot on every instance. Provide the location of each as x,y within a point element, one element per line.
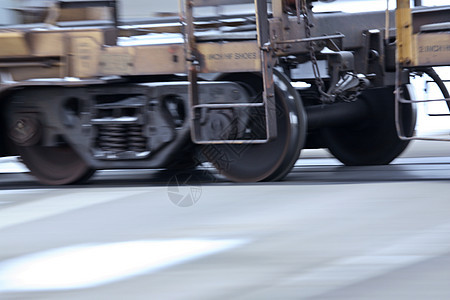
<point>267,65</point>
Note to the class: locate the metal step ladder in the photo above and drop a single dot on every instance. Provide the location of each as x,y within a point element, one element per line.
<point>199,106</point>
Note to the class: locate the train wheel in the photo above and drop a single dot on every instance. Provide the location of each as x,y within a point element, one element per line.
<point>55,165</point>
<point>373,141</point>
<point>270,161</point>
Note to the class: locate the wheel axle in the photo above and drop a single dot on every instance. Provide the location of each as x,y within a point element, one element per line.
<point>338,114</point>
<point>26,131</point>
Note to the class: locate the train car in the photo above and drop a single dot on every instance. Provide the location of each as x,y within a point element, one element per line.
<point>243,91</point>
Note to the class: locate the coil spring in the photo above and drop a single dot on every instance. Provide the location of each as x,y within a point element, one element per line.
<point>136,140</point>
<point>113,138</point>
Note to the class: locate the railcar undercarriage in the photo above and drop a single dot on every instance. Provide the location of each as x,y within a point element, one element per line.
<point>76,100</point>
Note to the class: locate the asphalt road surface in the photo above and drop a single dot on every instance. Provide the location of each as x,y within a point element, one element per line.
<point>326,232</point>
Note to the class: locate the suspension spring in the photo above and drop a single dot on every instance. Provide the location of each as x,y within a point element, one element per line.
<point>136,140</point>
<point>113,138</point>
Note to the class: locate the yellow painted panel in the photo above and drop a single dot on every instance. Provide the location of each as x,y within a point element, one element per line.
<point>404,33</point>
<point>116,61</point>
<point>85,57</point>
<point>13,44</point>
<point>143,60</point>
<point>433,48</point>
<point>230,57</point>
<point>55,43</point>
<point>160,59</point>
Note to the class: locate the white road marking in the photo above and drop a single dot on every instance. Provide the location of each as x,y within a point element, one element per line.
<point>56,205</point>
<point>351,270</point>
<point>90,265</point>
<point>27,191</point>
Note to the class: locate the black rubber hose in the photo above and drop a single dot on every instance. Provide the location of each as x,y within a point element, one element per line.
<point>433,75</point>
